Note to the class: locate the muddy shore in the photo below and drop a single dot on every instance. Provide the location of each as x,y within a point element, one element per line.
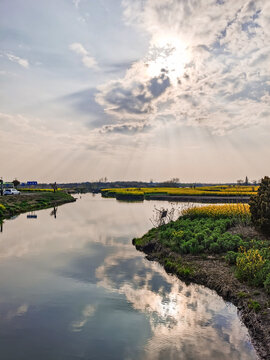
<point>214,273</point>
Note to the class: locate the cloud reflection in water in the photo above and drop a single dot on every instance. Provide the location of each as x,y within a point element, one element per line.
<point>187,322</point>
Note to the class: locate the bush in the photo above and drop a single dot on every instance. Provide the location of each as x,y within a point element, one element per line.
<point>261,275</point>
<point>248,264</point>
<point>2,208</point>
<point>260,206</point>
<point>267,284</point>
<point>231,257</point>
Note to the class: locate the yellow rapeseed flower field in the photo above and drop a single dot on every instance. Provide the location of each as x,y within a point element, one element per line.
<point>199,191</point>
<point>219,210</point>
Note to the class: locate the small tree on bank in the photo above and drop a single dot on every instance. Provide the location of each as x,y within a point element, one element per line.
<point>260,206</point>
<point>16,183</point>
<point>163,216</point>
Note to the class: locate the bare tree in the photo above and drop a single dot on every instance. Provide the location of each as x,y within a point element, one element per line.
<point>163,216</point>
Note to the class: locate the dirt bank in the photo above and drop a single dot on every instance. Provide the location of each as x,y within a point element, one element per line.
<point>213,272</point>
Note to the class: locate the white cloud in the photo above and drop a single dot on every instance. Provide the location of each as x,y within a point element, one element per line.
<point>76,3</point>
<point>207,65</point>
<point>87,60</point>
<point>174,310</point>
<point>87,312</point>
<point>23,62</point>
<point>20,311</point>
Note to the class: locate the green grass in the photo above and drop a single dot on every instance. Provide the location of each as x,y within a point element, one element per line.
<point>196,236</point>
<point>254,305</point>
<point>175,266</point>
<point>12,206</point>
<point>199,234</point>
<point>243,294</point>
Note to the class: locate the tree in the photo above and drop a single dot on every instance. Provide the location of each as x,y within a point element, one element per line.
<point>16,182</point>
<point>260,206</point>
<point>171,183</point>
<point>246,181</point>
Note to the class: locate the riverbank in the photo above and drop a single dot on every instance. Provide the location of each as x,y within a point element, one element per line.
<point>17,204</point>
<point>185,248</point>
<point>208,199</point>
<point>208,194</point>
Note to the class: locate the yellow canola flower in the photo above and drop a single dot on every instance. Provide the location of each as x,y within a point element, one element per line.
<point>200,191</point>
<point>219,210</point>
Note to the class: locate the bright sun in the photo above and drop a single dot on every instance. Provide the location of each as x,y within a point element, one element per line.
<point>167,54</point>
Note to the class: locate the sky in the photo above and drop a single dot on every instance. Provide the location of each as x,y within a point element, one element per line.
<point>134,90</point>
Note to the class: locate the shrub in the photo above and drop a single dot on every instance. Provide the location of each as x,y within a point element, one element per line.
<point>231,257</point>
<point>248,264</point>
<point>215,248</point>
<point>2,208</point>
<point>260,206</point>
<point>267,284</point>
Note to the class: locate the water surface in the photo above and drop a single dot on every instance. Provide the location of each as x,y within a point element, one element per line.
<point>73,287</point>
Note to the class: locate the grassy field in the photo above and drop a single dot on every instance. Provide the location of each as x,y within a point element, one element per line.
<point>145,193</point>
<point>16,204</point>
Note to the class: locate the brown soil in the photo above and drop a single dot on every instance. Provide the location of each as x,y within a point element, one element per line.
<point>248,232</point>
<point>215,274</point>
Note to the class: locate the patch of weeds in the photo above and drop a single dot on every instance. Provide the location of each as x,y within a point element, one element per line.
<point>242,294</point>
<point>254,305</point>
<point>185,271</point>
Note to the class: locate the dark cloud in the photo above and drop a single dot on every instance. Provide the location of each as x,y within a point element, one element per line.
<point>134,98</point>
<point>128,129</point>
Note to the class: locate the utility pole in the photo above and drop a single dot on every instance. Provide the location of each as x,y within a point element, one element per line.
<point>54,186</point>
<point>1,187</point>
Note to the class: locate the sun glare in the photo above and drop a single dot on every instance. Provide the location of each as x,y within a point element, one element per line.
<point>168,55</point>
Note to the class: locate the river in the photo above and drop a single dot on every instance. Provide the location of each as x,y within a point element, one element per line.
<point>74,287</point>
